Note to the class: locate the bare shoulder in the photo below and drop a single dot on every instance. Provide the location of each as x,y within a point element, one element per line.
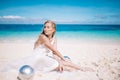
<point>43,37</point>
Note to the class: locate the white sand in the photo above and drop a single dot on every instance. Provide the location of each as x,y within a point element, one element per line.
<point>104,58</point>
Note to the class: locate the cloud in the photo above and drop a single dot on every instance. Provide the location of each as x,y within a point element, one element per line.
<point>96,19</point>
<point>12,17</point>
<point>108,16</point>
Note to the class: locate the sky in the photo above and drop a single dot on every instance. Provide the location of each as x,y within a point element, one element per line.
<point>60,11</point>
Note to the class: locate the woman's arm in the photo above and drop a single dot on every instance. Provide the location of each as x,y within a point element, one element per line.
<point>55,46</point>
<point>55,43</point>
<point>46,42</point>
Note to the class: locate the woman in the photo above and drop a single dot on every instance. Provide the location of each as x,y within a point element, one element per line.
<point>47,39</point>
<point>45,56</point>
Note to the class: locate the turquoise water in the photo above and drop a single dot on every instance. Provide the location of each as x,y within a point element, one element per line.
<point>22,32</point>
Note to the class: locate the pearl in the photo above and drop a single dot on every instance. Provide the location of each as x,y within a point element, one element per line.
<point>26,69</point>
<point>26,72</point>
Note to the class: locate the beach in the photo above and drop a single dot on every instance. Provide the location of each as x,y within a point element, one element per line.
<point>103,58</point>
<point>102,54</point>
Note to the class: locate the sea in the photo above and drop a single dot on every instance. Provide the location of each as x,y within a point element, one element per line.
<point>88,32</point>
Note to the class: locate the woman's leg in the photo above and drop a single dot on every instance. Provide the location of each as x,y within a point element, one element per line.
<point>63,67</point>
<point>70,64</point>
<point>67,68</point>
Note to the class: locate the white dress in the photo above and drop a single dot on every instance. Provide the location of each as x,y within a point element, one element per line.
<point>41,60</point>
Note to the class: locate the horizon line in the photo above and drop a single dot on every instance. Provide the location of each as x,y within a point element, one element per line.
<point>60,24</point>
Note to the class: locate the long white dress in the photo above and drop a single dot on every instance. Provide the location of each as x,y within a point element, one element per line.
<point>41,60</point>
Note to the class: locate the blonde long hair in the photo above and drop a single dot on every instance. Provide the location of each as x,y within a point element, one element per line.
<point>53,25</point>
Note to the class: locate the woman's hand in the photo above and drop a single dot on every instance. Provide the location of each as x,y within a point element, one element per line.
<point>61,67</point>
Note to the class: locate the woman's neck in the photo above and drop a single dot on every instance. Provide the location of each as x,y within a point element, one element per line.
<point>50,37</point>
